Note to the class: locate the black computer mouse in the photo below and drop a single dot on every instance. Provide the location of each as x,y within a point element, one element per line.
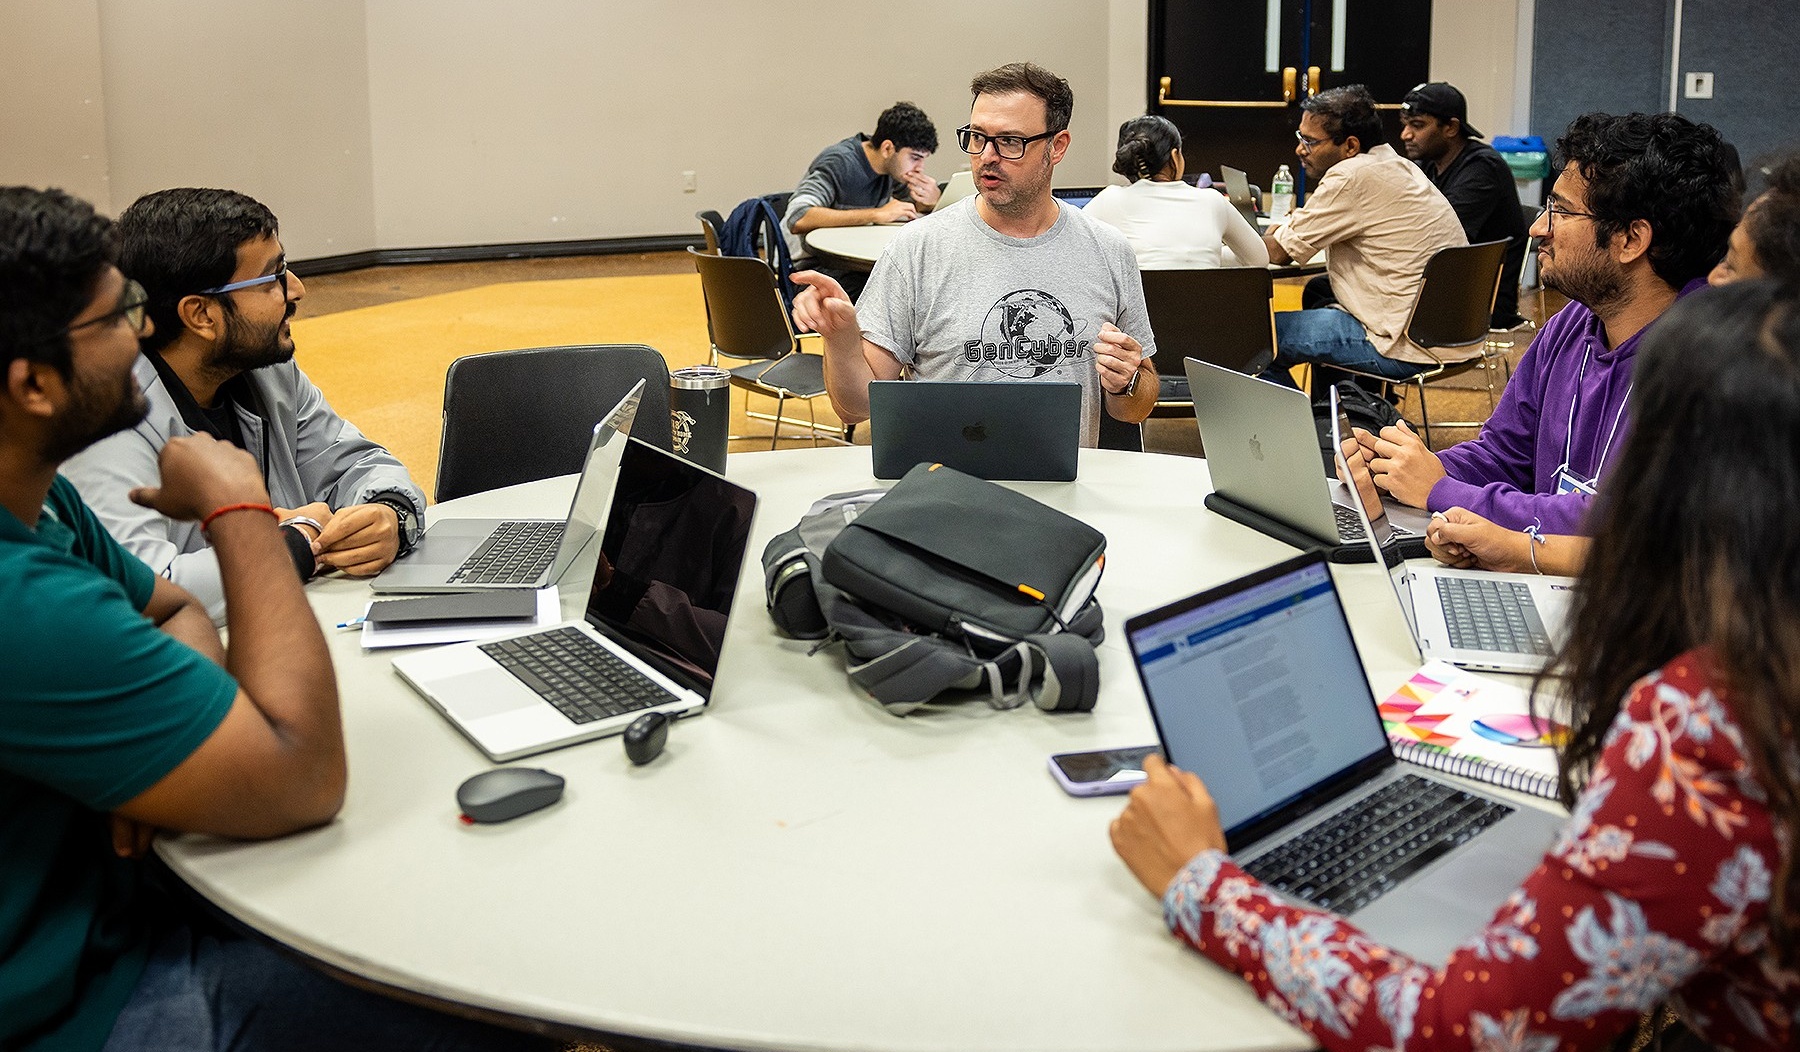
<point>645,738</point>
<point>507,792</point>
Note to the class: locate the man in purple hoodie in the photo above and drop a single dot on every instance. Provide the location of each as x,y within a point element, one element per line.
<point>1639,215</point>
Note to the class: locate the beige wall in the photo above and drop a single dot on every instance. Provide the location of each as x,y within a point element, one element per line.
<point>421,123</point>
<point>52,110</point>
<point>1475,45</point>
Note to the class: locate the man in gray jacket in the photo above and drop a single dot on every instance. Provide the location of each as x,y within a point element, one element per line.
<point>220,361</point>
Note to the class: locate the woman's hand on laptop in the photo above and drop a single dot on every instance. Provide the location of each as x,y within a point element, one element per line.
<point>1170,819</point>
<point>1360,479</point>
<point>1465,540</point>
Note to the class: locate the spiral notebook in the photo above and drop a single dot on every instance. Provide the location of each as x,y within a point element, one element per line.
<point>1465,724</point>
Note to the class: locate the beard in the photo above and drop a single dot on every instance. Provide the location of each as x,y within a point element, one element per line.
<point>95,411</point>
<point>248,346</point>
<point>1592,282</point>
<point>1018,193</point>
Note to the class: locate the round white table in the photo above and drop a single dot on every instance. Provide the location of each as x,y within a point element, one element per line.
<point>799,870</point>
<point>856,247</point>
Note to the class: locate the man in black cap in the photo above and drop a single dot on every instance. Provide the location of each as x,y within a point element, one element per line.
<point>1436,134</point>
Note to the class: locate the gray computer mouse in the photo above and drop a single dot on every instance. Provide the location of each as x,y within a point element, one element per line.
<point>645,738</point>
<point>507,792</point>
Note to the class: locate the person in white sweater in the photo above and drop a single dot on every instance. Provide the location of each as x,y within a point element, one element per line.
<point>1170,224</point>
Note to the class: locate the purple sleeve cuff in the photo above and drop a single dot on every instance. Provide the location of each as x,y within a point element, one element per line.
<point>1511,508</point>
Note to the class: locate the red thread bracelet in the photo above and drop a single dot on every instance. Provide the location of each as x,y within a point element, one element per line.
<point>206,523</point>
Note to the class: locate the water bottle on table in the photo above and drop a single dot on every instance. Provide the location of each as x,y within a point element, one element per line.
<point>1281,193</point>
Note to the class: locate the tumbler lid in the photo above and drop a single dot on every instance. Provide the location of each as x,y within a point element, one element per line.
<point>698,378</point>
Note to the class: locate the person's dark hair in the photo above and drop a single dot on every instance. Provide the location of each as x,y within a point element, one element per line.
<point>1663,168</point>
<point>1145,146</point>
<point>1694,545</point>
<point>177,242</point>
<point>907,127</point>
<point>1346,111</point>
<point>1030,79</point>
<point>1773,220</point>
<point>54,248</point>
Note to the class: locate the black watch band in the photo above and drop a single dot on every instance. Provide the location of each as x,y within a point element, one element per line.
<point>403,511</point>
<point>1131,384</point>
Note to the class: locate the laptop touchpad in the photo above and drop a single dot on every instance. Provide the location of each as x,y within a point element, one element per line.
<point>488,692</point>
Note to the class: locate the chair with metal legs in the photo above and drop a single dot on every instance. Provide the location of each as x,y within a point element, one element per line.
<point>746,320</point>
<point>1452,311</point>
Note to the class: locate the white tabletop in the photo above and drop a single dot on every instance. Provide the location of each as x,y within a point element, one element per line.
<point>852,245</point>
<point>799,870</point>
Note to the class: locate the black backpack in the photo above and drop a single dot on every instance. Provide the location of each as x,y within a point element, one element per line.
<point>1367,411</point>
<point>929,589</point>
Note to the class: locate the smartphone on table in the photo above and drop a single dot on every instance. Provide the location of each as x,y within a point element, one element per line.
<point>1102,772</point>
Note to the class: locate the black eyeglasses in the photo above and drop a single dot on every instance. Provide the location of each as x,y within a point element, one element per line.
<point>132,302</point>
<point>250,283</point>
<point>1009,147</point>
<point>1552,212</point>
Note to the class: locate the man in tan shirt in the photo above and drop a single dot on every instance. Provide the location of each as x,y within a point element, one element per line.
<point>1382,220</point>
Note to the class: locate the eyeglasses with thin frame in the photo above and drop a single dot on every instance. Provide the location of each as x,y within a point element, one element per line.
<point>1552,211</point>
<point>1009,147</point>
<point>132,302</point>
<point>1307,144</point>
<point>250,283</point>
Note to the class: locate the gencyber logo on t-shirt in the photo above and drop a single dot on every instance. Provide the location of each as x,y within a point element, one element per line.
<point>1025,334</point>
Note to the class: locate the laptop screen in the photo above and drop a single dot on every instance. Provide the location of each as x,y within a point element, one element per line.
<point>1256,686</point>
<point>674,547</point>
<point>594,488</point>
<point>1078,196</point>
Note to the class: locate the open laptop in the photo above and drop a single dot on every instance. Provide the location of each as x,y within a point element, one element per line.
<point>1256,686</point>
<point>470,555</point>
<point>675,541</point>
<point>960,185</point>
<point>1024,431</point>
<point>1078,196</point>
<point>1498,622</point>
<point>1237,191</point>
<point>1262,450</point>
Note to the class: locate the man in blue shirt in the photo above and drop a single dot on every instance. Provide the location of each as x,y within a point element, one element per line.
<point>122,713</point>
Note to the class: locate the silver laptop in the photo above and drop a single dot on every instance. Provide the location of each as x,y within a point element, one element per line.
<point>961,185</point>
<point>1498,622</point>
<point>1237,191</point>
<point>1256,686</point>
<point>659,603</point>
<point>1021,431</point>
<point>470,555</point>
<point>1262,450</point>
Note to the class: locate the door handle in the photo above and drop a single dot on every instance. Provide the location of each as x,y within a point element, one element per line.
<point>1312,81</point>
<point>1163,88</point>
<point>1288,74</point>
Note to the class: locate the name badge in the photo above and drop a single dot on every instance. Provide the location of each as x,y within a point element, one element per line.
<point>1566,482</point>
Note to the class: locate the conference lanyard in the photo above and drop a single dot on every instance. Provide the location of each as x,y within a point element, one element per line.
<point>1566,479</point>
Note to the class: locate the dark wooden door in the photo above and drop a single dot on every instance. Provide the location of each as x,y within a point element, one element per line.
<point>1232,73</point>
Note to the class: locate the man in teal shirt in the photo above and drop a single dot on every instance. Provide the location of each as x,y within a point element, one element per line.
<point>122,713</point>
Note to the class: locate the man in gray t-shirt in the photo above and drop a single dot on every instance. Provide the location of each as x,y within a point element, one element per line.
<point>1008,285</point>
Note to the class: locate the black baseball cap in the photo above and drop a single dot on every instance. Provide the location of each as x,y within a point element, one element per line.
<point>1438,99</point>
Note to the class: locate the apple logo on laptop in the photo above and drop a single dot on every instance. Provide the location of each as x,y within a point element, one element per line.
<point>1255,448</point>
<point>975,432</point>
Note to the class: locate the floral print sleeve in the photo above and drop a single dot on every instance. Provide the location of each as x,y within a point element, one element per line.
<point>1658,887</point>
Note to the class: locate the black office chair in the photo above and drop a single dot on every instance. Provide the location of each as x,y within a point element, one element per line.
<point>1222,316</point>
<point>1117,434</point>
<point>1453,309</point>
<point>711,222</point>
<point>746,320</point>
<point>517,416</point>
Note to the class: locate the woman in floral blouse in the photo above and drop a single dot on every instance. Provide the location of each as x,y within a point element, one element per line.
<point>1675,880</point>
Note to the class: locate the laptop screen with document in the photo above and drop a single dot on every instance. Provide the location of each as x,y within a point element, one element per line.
<point>1256,686</point>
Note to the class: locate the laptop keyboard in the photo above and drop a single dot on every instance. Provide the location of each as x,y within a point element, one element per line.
<point>1485,614</point>
<point>1350,528</point>
<point>1363,851</point>
<point>584,680</point>
<point>515,553</point>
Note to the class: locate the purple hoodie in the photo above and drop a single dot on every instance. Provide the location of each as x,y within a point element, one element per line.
<point>1508,472</point>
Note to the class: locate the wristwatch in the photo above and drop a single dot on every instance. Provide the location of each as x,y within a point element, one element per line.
<point>404,513</point>
<point>1131,384</point>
